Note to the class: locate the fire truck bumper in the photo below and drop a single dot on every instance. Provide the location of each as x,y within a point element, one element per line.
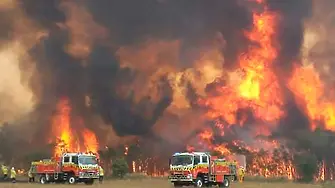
<point>88,175</point>
<point>181,178</point>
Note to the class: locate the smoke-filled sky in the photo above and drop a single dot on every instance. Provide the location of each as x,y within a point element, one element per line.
<point>142,65</point>
<point>125,55</point>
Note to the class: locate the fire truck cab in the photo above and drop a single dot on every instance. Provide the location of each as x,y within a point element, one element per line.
<point>69,167</point>
<point>200,169</point>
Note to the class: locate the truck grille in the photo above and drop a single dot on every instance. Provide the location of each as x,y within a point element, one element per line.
<point>88,175</point>
<point>178,176</point>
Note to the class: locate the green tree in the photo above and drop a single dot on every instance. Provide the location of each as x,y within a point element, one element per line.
<point>120,167</point>
<point>134,152</point>
<point>107,156</point>
<point>306,165</point>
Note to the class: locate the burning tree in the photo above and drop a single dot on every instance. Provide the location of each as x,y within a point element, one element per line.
<point>258,101</point>
<point>232,78</point>
<point>65,137</point>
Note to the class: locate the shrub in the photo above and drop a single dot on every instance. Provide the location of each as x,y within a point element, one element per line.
<point>306,165</point>
<point>119,167</point>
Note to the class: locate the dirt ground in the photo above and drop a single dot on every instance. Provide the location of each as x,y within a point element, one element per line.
<point>157,183</point>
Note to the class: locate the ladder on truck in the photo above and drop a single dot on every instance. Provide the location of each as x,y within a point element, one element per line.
<point>212,177</point>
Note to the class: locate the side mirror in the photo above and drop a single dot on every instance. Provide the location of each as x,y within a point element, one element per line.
<point>169,162</point>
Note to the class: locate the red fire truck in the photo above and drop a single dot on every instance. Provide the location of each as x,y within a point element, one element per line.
<point>201,169</point>
<point>69,167</point>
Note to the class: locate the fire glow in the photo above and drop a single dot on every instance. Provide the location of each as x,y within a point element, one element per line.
<point>251,97</point>
<point>259,91</point>
<point>67,139</point>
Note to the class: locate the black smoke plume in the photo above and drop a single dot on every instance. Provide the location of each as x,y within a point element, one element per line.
<point>290,31</point>
<point>129,23</point>
<point>193,23</point>
<point>293,15</point>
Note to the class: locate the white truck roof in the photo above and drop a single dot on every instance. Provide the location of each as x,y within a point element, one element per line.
<point>191,153</point>
<point>78,154</point>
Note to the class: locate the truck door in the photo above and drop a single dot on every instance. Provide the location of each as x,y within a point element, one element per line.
<point>74,164</point>
<point>65,162</point>
<point>205,162</point>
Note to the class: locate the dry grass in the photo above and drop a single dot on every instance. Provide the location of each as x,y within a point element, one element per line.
<point>163,183</point>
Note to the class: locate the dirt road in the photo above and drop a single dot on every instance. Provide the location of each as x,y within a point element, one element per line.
<point>157,183</point>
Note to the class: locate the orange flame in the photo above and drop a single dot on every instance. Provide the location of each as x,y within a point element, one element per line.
<point>90,141</point>
<point>66,139</point>
<point>259,89</point>
<point>260,92</point>
<point>309,92</point>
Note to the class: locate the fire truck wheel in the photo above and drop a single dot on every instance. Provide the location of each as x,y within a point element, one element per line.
<point>199,182</point>
<point>72,180</point>
<point>43,180</point>
<point>225,183</point>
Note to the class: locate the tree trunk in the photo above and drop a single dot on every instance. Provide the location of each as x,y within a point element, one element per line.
<point>327,168</point>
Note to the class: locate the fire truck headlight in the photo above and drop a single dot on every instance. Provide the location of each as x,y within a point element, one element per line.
<point>189,176</point>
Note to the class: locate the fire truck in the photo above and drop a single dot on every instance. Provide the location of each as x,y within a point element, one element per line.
<point>69,167</point>
<point>201,169</point>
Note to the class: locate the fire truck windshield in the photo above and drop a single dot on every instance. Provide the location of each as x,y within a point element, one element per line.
<point>182,160</point>
<point>86,160</point>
